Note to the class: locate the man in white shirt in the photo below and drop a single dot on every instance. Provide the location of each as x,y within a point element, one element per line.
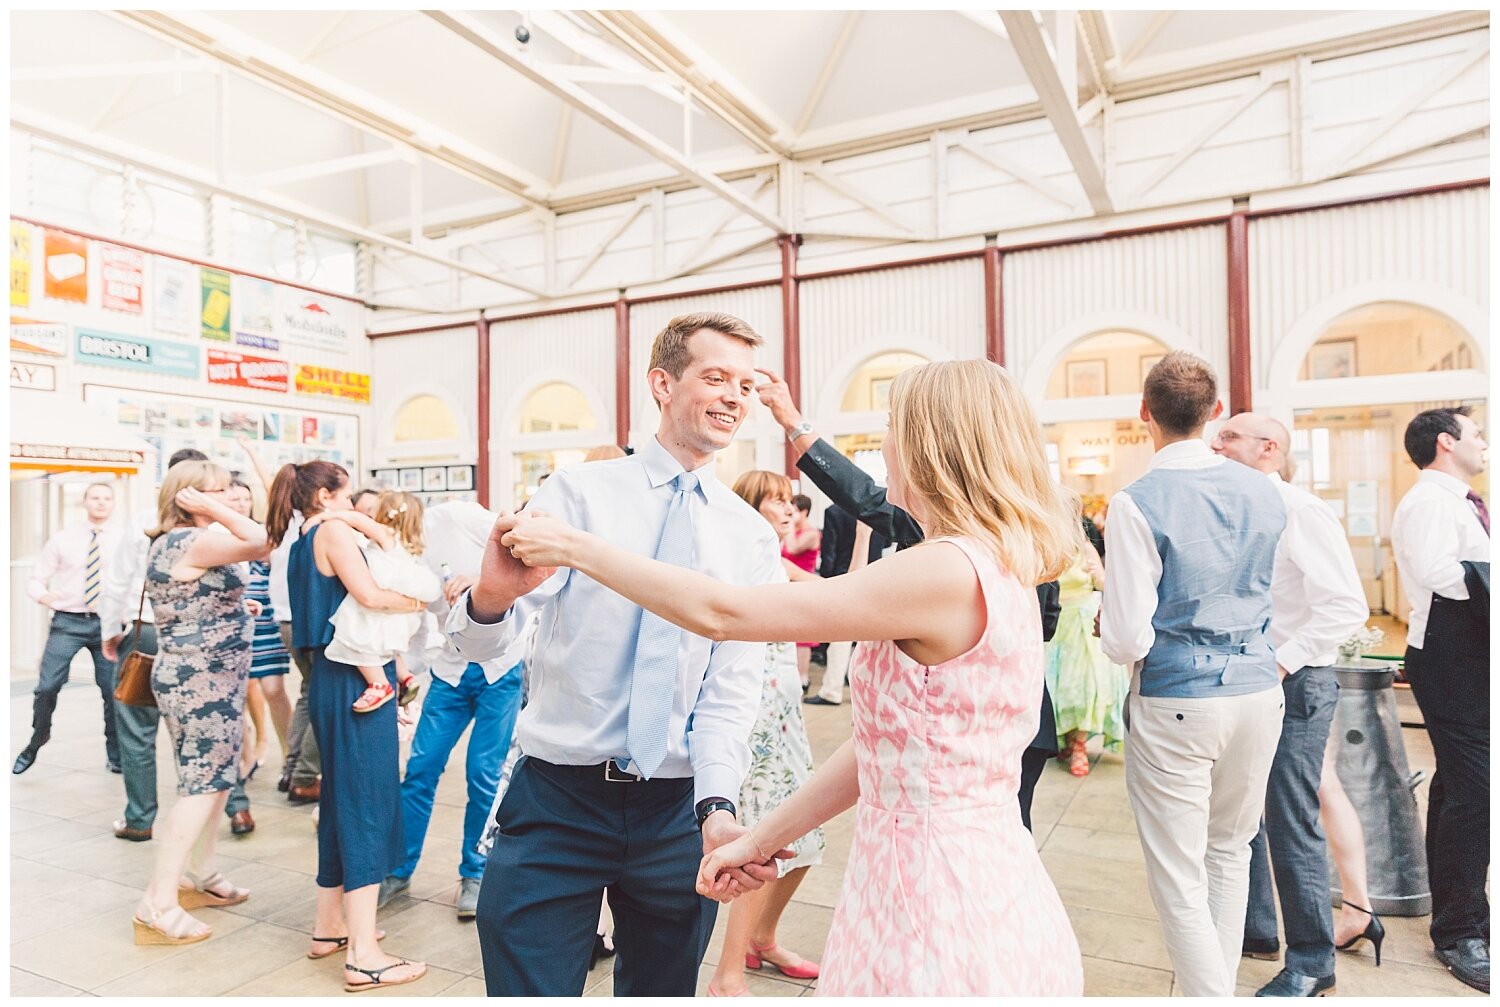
<point>69,579</point>
<point>1187,606</point>
<point>1440,525</point>
<point>487,694</point>
<point>636,734</point>
<point>1317,602</point>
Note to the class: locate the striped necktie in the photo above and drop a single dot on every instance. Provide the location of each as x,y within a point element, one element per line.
<point>91,573</point>
<point>653,680</point>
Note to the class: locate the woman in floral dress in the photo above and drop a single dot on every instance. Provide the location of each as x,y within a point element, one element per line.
<point>196,583</point>
<point>945,895</point>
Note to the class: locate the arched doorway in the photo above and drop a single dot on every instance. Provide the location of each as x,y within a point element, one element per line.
<point>1090,413</point>
<point>557,427</point>
<point>864,405</point>
<point>1365,375</point>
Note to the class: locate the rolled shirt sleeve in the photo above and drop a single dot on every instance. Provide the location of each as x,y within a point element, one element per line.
<point>1130,583</point>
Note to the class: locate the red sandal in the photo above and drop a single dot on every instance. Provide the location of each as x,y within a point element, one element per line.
<point>374,697</point>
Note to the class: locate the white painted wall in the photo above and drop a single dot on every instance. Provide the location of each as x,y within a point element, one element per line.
<point>444,364</point>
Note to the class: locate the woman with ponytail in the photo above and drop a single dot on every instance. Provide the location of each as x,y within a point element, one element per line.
<point>359,817</point>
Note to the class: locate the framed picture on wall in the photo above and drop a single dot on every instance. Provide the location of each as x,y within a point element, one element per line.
<point>1087,378</point>
<point>460,478</point>
<point>387,477</point>
<point>1334,358</point>
<point>434,480</point>
<point>411,480</point>
<point>880,393</point>
<point>1148,361</point>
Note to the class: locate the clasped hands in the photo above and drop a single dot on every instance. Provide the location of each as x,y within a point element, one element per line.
<point>732,862</point>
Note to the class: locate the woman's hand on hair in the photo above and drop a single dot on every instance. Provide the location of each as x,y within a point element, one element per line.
<point>197,502</point>
<point>542,541</point>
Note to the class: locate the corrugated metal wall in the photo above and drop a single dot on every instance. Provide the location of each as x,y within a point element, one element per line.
<point>760,307</point>
<point>936,310</point>
<point>1163,284</point>
<point>577,347</point>
<point>1301,260</point>
<point>440,363</point>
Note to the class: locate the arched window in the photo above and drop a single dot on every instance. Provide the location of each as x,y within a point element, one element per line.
<point>1388,338</point>
<point>425,418</point>
<point>869,390</point>
<point>1107,363</point>
<point>556,407</point>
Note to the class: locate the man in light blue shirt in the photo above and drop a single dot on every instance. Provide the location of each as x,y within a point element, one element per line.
<point>636,734</point>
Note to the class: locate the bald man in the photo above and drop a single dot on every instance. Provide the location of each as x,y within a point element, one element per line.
<point>1317,601</point>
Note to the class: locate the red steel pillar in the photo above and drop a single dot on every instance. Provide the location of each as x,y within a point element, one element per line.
<point>1240,383</point>
<point>791,331</point>
<point>994,304</point>
<point>482,481</point>
<point>622,371</point>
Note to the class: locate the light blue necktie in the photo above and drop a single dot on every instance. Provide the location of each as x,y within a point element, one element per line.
<point>653,680</point>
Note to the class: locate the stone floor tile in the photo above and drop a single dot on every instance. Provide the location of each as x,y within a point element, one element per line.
<point>52,913</point>
<point>324,977</point>
<point>28,984</point>
<point>468,986</point>
<point>1102,977</point>
<point>215,966</point>
<point>57,833</point>
<point>430,932</point>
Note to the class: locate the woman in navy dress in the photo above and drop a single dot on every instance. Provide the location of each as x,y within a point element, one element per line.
<point>359,811</point>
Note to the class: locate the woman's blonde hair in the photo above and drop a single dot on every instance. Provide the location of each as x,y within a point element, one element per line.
<point>402,512</point>
<point>184,475</point>
<point>971,450</point>
<point>757,484</point>
<point>604,453</point>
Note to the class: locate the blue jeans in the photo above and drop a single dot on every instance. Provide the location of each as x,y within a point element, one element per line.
<point>445,713</point>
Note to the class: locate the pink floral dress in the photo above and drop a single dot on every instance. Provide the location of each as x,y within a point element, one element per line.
<point>945,894</point>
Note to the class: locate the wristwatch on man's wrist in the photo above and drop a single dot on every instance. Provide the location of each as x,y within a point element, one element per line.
<point>708,806</point>
<point>800,430</point>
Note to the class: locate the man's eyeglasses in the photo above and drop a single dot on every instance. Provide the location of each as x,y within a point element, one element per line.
<point>1229,436</point>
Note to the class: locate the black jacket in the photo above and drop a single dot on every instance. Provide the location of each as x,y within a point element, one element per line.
<point>851,488</point>
<point>838,543</point>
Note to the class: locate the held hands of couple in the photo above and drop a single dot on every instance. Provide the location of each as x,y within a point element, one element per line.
<point>503,575</point>
<point>733,863</point>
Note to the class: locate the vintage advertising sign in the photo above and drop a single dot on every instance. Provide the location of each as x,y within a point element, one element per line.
<point>122,272</point>
<point>332,382</point>
<point>76,453</point>
<point>324,323</point>
<point>137,353</point>
<point>226,367</point>
<point>48,339</point>
<point>174,297</point>
<point>254,303</point>
<point>216,304</point>
<point>20,264</point>
<point>41,377</point>
<point>66,261</point>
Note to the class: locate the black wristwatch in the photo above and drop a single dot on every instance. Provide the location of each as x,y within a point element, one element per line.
<point>708,806</point>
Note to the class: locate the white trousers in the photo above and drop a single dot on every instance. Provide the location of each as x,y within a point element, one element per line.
<point>834,671</point>
<point>1196,771</point>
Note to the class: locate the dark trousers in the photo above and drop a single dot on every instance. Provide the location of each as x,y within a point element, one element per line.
<point>302,746</point>
<point>566,834</point>
<point>1458,832</point>
<point>1033,762</point>
<point>70,633</point>
<point>1298,848</point>
<point>137,727</point>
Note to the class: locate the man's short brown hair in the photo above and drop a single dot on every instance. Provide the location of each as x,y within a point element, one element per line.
<point>670,351</point>
<point>1180,392</point>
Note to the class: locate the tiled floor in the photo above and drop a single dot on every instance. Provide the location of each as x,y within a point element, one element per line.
<point>73,886</point>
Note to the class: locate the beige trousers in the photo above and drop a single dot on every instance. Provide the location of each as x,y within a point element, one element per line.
<point>1196,771</point>
<point>832,688</point>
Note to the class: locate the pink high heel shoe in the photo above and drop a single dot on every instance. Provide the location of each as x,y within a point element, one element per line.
<point>756,957</point>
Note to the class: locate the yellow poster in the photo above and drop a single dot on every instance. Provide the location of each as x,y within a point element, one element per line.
<point>20,264</point>
<point>350,385</point>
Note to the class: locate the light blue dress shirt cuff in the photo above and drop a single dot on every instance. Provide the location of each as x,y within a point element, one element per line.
<point>716,779</point>
<point>478,641</point>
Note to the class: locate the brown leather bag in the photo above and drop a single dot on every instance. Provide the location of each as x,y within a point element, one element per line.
<point>133,687</point>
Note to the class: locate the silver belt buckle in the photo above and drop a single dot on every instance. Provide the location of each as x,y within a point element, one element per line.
<point>614,774</point>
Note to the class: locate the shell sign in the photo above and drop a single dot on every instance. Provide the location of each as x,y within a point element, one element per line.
<point>332,382</point>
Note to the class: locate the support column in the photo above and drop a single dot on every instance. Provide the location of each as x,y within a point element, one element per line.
<point>1240,383</point>
<point>791,332</point>
<point>994,303</point>
<point>622,371</point>
<point>482,469</point>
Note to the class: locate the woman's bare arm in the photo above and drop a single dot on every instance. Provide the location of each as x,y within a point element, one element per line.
<point>382,535</point>
<point>337,548</point>
<point>246,539</point>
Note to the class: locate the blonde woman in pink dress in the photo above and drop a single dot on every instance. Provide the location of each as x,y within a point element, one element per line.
<point>945,895</point>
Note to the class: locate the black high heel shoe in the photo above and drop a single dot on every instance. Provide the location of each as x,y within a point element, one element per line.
<point>1374,932</point>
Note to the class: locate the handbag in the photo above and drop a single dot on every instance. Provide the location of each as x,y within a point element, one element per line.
<point>133,686</point>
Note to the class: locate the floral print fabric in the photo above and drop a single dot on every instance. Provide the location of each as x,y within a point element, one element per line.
<point>945,894</point>
<point>202,663</point>
<point>780,754</point>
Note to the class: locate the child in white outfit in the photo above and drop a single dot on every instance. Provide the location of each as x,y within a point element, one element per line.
<point>368,639</point>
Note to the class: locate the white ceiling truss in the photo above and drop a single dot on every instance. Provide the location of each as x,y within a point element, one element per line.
<point>626,148</point>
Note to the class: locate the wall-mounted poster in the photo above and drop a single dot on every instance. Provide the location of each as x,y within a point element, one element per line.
<point>389,478</point>
<point>411,480</point>
<point>39,377</point>
<point>254,314</point>
<point>216,303</point>
<point>20,264</point>
<point>1333,358</point>
<point>66,266</point>
<point>174,297</point>
<point>434,479</point>
<point>460,477</point>
<point>137,353</point>
<point>332,382</point>
<point>47,339</point>
<point>1148,361</point>
<point>122,275</point>
<point>226,367</point>
<point>316,320</point>
<point>1086,379</point>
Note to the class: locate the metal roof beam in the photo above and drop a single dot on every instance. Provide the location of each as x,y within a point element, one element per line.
<point>326,93</point>
<point>320,169</point>
<point>1059,102</point>
<point>825,75</point>
<point>471,30</point>
<point>82,71</point>
<point>52,128</point>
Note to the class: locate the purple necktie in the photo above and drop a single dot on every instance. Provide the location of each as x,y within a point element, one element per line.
<point>1484,512</point>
